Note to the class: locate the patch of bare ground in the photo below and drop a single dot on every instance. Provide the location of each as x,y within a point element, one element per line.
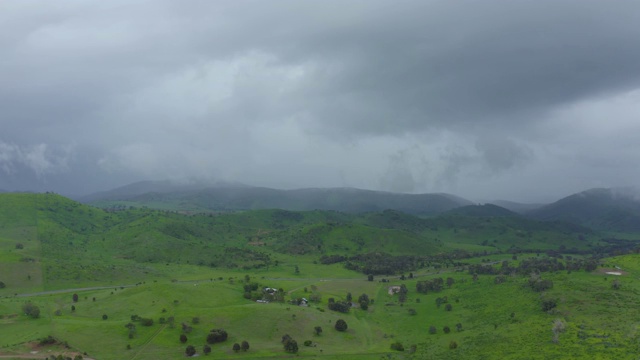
<point>608,271</point>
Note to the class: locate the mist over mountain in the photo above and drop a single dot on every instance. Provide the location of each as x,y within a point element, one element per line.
<point>486,210</point>
<point>234,196</point>
<point>516,207</point>
<point>615,209</point>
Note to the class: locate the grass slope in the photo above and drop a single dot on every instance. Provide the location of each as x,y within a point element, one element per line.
<point>168,258</point>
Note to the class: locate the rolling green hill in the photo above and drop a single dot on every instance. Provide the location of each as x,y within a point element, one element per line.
<point>190,274</point>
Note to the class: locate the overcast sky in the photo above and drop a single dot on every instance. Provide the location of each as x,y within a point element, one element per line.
<point>520,100</point>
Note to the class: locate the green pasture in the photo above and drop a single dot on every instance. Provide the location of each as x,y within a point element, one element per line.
<point>161,264</point>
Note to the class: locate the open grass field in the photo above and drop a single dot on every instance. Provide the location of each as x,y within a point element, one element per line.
<point>164,266</point>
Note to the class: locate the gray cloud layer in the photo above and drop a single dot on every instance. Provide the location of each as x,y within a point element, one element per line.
<point>526,100</point>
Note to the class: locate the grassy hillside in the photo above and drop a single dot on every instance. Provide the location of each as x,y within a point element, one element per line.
<point>161,265</point>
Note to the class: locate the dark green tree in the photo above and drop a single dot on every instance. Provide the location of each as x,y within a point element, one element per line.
<point>190,351</point>
<point>291,346</point>
<point>206,349</point>
<point>236,347</point>
<point>216,336</point>
<point>2,285</point>
<point>341,325</point>
<point>183,338</point>
<point>244,345</point>
<point>75,297</point>
<point>318,330</point>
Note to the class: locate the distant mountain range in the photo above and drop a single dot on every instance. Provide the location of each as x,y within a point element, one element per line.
<point>229,197</point>
<point>616,209</point>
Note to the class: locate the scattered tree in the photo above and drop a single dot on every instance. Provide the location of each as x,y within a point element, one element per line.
<point>73,308</point>
<point>217,335</point>
<point>397,346</point>
<point>290,345</point>
<point>341,325</point>
<point>31,310</point>
<point>2,285</point>
<point>318,330</point>
<point>448,307</point>
<point>104,317</point>
<point>446,329</point>
<point>195,320</point>
<point>183,338</point>
<point>370,277</point>
<point>308,342</point>
<point>190,351</point>
<point>75,297</point>
<point>206,349</point>
<point>244,345</point>
<point>458,327</point>
<point>453,345</point>
<point>432,329</point>
<point>236,347</point>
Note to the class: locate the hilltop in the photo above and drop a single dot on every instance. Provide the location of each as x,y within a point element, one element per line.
<point>616,209</point>
<point>233,197</point>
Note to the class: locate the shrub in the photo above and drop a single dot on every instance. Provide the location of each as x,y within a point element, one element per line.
<point>548,304</point>
<point>397,346</point>
<point>453,345</point>
<point>31,310</point>
<point>432,329</point>
<point>308,343</point>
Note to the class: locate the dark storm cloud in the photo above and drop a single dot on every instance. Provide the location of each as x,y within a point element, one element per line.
<point>479,98</point>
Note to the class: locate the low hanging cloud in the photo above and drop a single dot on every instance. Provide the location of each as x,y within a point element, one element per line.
<point>40,159</point>
<point>411,96</point>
